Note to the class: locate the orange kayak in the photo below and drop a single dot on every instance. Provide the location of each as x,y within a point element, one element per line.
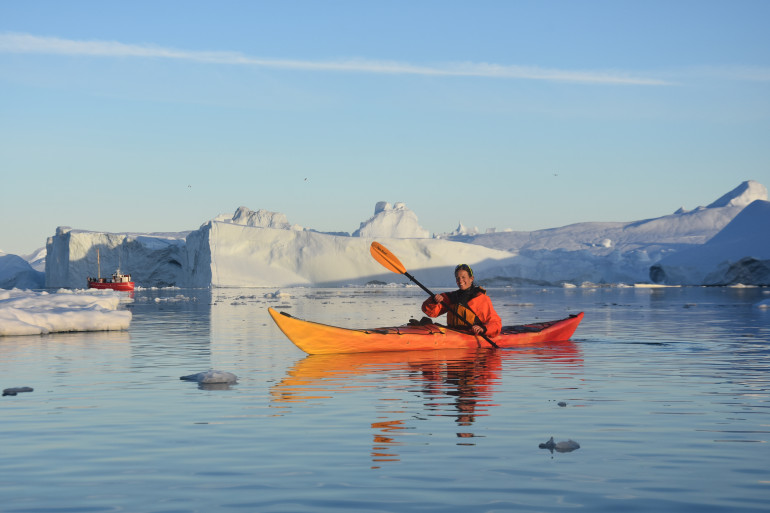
<point>317,338</point>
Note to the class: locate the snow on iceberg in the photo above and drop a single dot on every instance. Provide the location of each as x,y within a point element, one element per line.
<point>740,253</point>
<point>259,218</point>
<point>228,255</point>
<point>616,252</point>
<point>395,221</point>
<point>24,312</point>
<point>656,236</point>
<point>462,231</point>
<point>743,195</point>
<point>15,272</point>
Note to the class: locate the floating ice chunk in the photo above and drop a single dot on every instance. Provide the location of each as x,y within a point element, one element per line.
<point>176,299</point>
<point>16,390</point>
<point>278,294</point>
<point>764,305</point>
<point>211,376</point>
<point>24,312</point>
<point>568,446</point>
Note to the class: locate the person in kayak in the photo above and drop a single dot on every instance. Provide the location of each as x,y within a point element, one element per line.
<point>469,302</point>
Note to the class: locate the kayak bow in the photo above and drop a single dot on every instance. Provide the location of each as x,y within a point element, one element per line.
<point>317,338</point>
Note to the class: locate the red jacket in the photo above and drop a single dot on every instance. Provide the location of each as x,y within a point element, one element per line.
<point>480,304</point>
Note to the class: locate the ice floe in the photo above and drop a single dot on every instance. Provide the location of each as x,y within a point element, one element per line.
<point>26,312</point>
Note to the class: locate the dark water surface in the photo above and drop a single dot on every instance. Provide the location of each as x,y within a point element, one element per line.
<point>667,391</point>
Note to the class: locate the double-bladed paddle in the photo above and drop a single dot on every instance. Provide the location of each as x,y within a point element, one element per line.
<point>390,262</point>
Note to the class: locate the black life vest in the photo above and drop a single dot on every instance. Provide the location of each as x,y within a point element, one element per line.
<point>459,307</point>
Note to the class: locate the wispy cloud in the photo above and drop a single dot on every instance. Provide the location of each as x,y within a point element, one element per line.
<point>27,43</point>
<point>732,73</point>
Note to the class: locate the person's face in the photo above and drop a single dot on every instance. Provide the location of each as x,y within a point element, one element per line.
<point>463,279</point>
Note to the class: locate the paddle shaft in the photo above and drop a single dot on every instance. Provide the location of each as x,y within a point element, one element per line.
<point>423,287</point>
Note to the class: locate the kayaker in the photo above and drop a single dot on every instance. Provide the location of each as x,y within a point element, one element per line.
<point>470,302</point>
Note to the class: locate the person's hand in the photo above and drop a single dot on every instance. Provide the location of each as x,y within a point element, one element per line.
<point>477,330</point>
<point>438,298</point>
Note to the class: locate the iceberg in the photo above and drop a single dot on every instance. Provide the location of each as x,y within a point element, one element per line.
<point>722,243</point>
<point>740,253</point>
<point>155,260</point>
<point>16,272</point>
<point>228,255</point>
<point>619,252</point>
<point>395,221</point>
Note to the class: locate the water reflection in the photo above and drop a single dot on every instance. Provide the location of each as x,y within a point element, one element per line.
<point>459,384</point>
<point>468,382</point>
<point>169,324</point>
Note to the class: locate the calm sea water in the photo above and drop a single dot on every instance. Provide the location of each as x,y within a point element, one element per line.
<point>667,391</point>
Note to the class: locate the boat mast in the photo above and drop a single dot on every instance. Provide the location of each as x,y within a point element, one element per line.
<point>98,265</point>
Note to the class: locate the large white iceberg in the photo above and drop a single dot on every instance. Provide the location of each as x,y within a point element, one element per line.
<point>621,252</point>
<point>228,255</point>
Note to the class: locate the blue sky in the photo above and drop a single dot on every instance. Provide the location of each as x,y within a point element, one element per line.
<point>158,116</point>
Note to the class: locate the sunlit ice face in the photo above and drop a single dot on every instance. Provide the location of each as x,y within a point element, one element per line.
<point>463,279</point>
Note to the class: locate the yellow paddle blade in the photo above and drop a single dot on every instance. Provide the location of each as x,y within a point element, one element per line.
<point>386,258</point>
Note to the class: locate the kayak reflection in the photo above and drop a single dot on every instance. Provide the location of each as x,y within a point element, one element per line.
<point>457,384</point>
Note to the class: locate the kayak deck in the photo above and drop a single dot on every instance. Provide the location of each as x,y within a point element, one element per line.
<point>317,338</point>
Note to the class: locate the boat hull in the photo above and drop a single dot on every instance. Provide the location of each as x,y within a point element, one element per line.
<point>317,338</point>
<point>121,286</point>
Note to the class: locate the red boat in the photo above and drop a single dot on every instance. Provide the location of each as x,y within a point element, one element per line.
<point>119,280</point>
